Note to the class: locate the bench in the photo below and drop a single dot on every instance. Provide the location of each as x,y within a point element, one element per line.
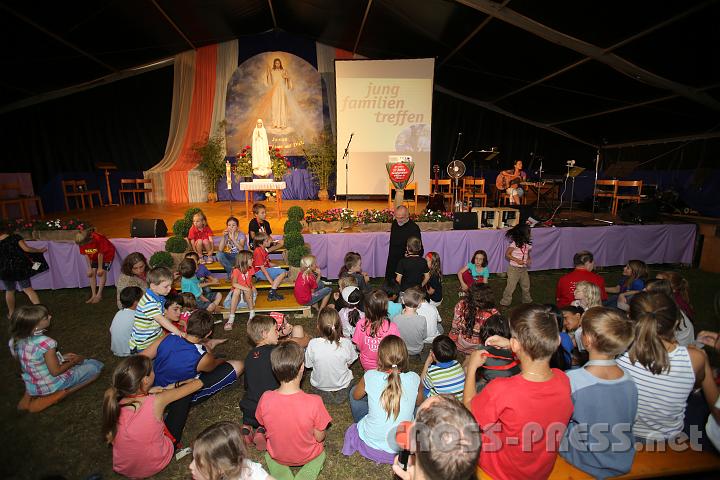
<point>217,266</point>
<point>135,186</point>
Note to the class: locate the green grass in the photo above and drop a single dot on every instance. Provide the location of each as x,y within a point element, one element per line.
<point>65,439</point>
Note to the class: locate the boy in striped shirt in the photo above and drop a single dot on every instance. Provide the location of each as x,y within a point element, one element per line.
<point>442,373</point>
<point>149,314</point>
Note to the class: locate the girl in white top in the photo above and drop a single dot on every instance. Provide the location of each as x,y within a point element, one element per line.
<point>350,315</point>
<point>219,453</point>
<point>330,357</point>
<point>664,372</point>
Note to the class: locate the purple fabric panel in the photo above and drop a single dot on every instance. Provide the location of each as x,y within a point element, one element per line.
<point>552,248</point>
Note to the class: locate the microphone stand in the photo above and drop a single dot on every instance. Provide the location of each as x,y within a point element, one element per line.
<point>455,189</point>
<point>347,170</point>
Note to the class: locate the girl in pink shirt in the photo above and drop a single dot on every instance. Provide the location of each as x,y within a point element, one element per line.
<point>133,417</point>
<point>370,330</point>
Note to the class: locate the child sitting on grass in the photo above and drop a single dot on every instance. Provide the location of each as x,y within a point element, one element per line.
<point>346,280</point>
<point>330,357</point>
<point>412,327</point>
<point>149,314</point>
<point>434,285</point>
<point>442,374</point>
<point>370,330</point>
<point>352,265</point>
<point>412,270</point>
<point>99,253</point>
<point>309,288</point>
<point>538,395</point>
<point>295,421</point>
<point>48,376</point>
<point>603,395</point>
<point>392,290</point>
<point>191,284</point>
<point>133,413</point>
<point>499,362</point>
<point>219,453</point>
<point>476,271</point>
<point>380,401</point>
<point>259,377</point>
<point>350,315</point>
<point>122,322</point>
<point>176,359</point>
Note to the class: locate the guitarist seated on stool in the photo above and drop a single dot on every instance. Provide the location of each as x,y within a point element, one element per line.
<point>509,181</point>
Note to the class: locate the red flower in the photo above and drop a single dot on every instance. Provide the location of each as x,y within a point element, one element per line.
<point>247,147</point>
<point>243,155</point>
<point>287,163</point>
<point>64,227</point>
<point>277,149</point>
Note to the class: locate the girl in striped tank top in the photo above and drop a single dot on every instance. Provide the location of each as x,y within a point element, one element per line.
<point>664,372</point>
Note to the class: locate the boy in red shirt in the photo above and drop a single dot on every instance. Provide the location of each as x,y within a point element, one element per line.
<point>99,253</point>
<point>263,270</point>
<point>522,418</point>
<point>295,422</point>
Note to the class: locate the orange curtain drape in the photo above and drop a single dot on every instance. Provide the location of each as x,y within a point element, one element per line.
<point>198,127</point>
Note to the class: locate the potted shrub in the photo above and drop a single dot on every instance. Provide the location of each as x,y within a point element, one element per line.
<point>58,230</point>
<point>371,220</point>
<point>177,246</point>
<point>161,259</point>
<point>190,213</point>
<point>295,254</point>
<point>321,157</point>
<point>211,156</point>
<point>243,164</point>
<point>295,213</point>
<point>430,220</point>
<point>292,226</point>
<point>181,227</point>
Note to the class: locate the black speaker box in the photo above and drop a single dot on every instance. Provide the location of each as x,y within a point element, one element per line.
<point>465,221</point>
<point>640,212</point>
<point>148,228</point>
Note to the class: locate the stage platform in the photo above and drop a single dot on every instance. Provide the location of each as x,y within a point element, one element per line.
<point>553,247</point>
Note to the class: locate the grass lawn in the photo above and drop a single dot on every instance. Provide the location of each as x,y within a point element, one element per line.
<point>65,439</point>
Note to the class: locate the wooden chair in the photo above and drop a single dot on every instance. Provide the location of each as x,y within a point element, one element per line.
<point>473,188</point>
<point>628,193</point>
<point>444,187</point>
<point>10,196</point>
<point>504,199</point>
<point>606,189</point>
<point>135,186</point>
<point>78,190</point>
<point>410,186</point>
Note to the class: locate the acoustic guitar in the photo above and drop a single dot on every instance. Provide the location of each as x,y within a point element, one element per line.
<point>437,200</point>
<point>503,182</point>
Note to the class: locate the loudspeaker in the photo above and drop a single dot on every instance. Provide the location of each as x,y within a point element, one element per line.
<point>640,212</point>
<point>148,228</point>
<point>465,221</point>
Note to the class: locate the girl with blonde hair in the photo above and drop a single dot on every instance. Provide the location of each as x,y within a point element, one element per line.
<point>380,401</point>
<point>309,288</point>
<point>587,295</point>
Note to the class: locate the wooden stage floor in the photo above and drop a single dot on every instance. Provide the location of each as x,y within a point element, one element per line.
<point>114,222</point>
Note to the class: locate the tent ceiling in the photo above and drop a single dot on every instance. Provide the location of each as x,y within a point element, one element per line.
<point>604,72</point>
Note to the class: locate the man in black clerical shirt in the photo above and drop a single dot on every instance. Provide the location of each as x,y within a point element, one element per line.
<point>402,229</point>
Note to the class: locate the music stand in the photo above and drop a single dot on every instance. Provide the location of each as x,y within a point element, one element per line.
<point>107,166</point>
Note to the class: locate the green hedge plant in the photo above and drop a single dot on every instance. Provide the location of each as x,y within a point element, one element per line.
<point>296,253</point>
<point>293,239</point>
<point>190,213</point>
<point>181,227</point>
<point>295,213</point>
<point>176,244</point>
<point>292,226</point>
<point>161,259</point>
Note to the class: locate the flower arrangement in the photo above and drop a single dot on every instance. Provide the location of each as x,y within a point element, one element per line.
<point>243,163</point>
<point>346,215</point>
<point>375,216</point>
<point>56,224</point>
<point>432,216</point>
<point>280,164</point>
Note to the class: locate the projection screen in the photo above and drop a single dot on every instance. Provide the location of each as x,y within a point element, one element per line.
<point>387,106</point>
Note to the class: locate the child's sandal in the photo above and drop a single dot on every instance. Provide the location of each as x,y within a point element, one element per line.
<point>228,325</point>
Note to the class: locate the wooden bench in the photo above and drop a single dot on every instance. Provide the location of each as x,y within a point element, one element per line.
<point>646,465</point>
<point>260,285</point>
<point>262,305</point>
<point>217,266</point>
<point>135,186</point>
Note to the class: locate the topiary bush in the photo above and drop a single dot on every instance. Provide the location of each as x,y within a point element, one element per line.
<point>296,253</point>
<point>189,213</point>
<point>181,227</point>
<point>161,259</point>
<point>292,226</point>
<point>176,244</point>
<point>293,239</point>
<point>295,213</point>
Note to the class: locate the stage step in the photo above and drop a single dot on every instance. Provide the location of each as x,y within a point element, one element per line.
<point>260,285</point>
<point>217,266</point>
<point>263,305</point>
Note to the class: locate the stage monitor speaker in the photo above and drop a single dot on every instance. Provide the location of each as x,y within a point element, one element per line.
<point>640,212</point>
<point>148,228</point>
<point>465,221</point>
